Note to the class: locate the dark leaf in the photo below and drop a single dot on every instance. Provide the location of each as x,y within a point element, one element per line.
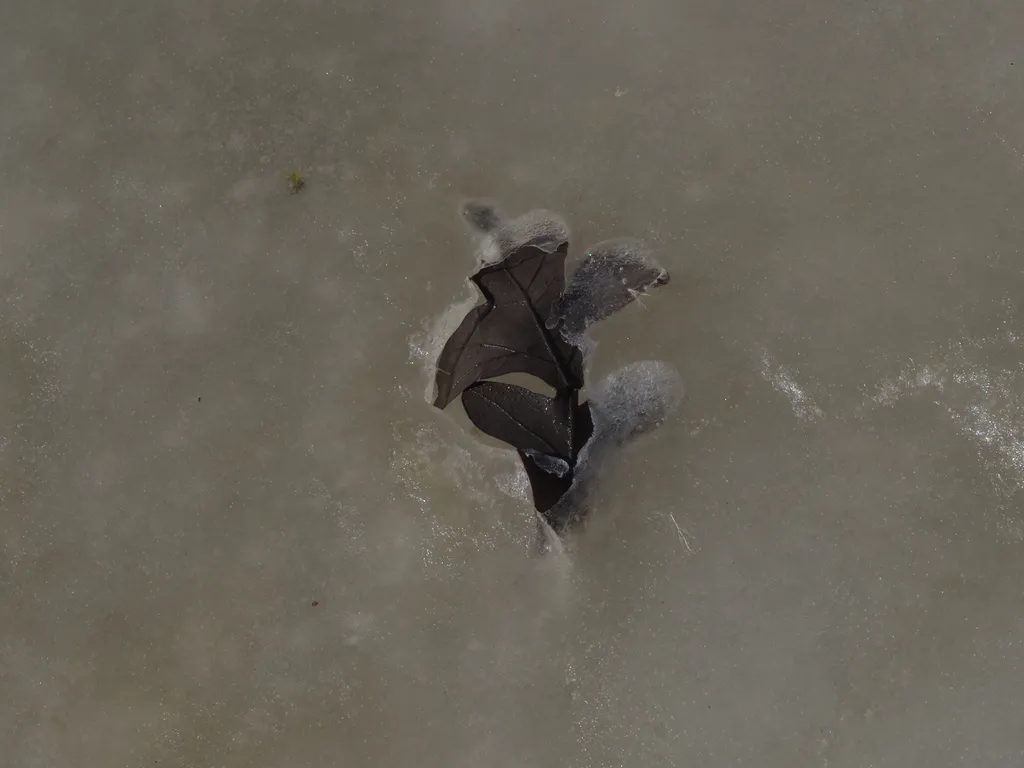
<point>546,488</point>
<point>530,421</point>
<point>508,333</point>
<point>612,275</point>
<point>531,323</point>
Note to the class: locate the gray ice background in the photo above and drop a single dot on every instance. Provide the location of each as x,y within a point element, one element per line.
<point>817,561</point>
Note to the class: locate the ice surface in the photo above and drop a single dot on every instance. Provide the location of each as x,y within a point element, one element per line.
<point>626,404</point>
<point>784,382</point>
<point>543,229</point>
<point>635,399</point>
<point>846,181</point>
<point>978,384</point>
<point>481,215</point>
<point>425,346</point>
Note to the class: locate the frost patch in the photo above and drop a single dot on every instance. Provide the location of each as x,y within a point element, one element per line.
<point>783,382</point>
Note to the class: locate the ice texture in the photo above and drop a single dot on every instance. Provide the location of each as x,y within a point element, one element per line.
<point>626,404</point>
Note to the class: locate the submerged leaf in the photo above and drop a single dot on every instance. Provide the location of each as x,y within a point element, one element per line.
<point>613,274</point>
<point>635,399</point>
<point>481,215</point>
<point>507,334</point>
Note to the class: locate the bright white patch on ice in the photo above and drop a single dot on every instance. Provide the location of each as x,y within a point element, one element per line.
<point>785,383</point>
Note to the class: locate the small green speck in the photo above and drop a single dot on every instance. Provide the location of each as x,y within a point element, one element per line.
<point>296,182</point>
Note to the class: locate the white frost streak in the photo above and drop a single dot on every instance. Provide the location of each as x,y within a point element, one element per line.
<point>782,381</point>
<point>909,381</point>
<point>1001,435</point>
<point>994,418</point>
<point>985,401</point>
<point>515,484</point>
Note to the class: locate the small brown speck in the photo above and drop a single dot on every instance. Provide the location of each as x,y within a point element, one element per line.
<point>316,603</point>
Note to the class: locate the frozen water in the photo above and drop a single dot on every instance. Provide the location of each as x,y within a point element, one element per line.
<point>979,385</point>
<point>635,399</point>
<point>481,215</point>
<point>234,534</point>
<point>782,381</point>
<point>543,229</point>
<point>626,404</point>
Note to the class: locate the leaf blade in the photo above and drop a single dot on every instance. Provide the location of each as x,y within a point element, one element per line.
<point>507,333</point>
<point>526,420</point>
